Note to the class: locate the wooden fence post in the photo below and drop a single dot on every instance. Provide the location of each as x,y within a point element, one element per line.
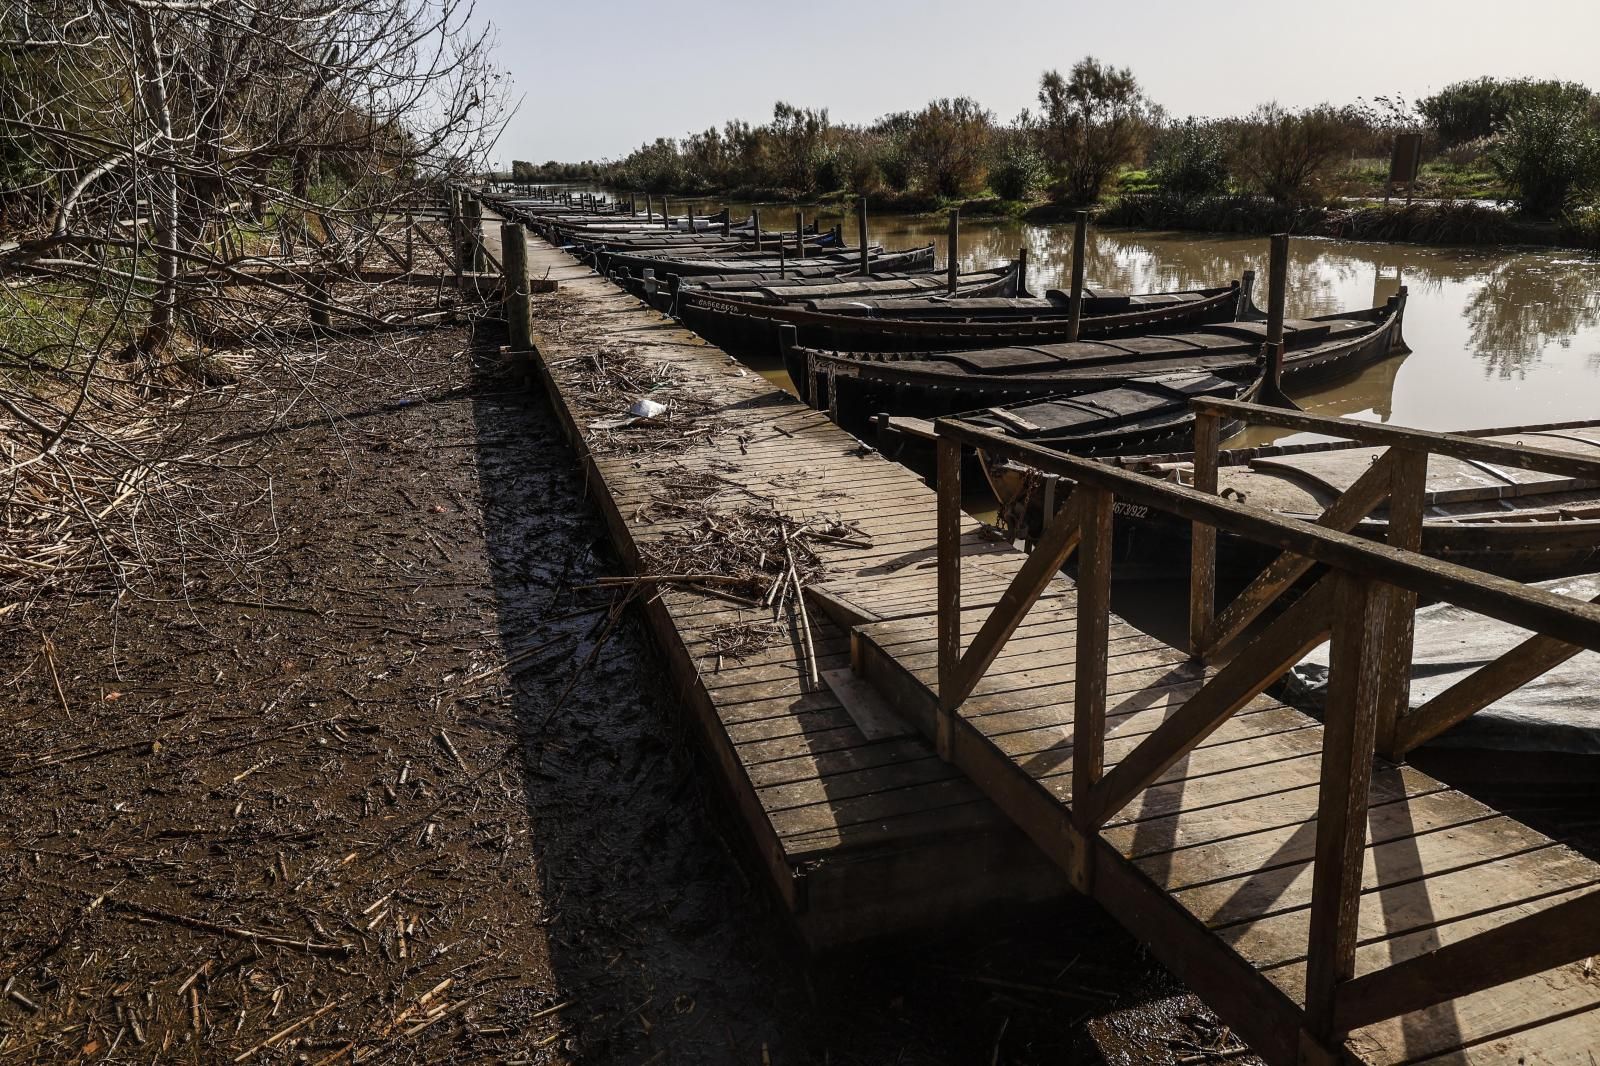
<point>1398,607</point>
<point>1355,684</point>
<point>472,248</point>
<point>1080,241</point>
<point>953,257</point>
<point>1089,672</point>
<point>948,557</point>
<point>861,233</point>
<point>317,294</point>
<point>1203,537</point>
<point>514,271</point>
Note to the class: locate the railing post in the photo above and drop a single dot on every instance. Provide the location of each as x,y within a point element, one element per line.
<point>1355,686</point>
<point>948,549</point>
<point>1203,537</point>
<point>1089,672</point>
<point>514,270</point>
<point>1407,488</point>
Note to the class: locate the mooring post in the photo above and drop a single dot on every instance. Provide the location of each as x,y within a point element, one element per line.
<point>799,234</point>
<point>783,261</point>
<point>514,270</point>
<point>861,233</point>
<point>475,234</point>
<point>666,213</point>
<point>1080,241</point>
<point>649,208</point>
<point>727,221</point>
<point>1277,296</point>
<point>952,256</point>
<point>755,223</point>
<point>317,295</point>
<point>1022,271</point>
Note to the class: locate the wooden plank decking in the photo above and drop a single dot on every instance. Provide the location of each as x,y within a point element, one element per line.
<point>860,836</point>
<point>1211,866</point>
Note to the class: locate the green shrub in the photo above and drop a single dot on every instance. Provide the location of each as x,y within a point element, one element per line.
<point>1018,171</point>
<point>1468,110</point>
<point>1191,159</point>
<point>1548,155</point>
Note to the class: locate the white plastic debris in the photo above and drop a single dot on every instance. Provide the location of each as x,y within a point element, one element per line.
<point>647,408</point>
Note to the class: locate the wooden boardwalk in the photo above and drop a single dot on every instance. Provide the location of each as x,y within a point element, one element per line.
<point>859,835</point>
<point>1212,865</point>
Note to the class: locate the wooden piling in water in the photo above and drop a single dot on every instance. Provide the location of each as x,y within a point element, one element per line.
<point>799,234</point>
<point>649,208</point>
<point>783,260</point>
<point>1022,270</point>
<point>1277,297</point>
<point>952,254</point>
<point>755,221</point>
<point>861,233</point>
<point>1080,241</point>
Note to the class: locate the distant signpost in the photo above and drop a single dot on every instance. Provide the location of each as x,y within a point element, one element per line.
<point>1405,165</point>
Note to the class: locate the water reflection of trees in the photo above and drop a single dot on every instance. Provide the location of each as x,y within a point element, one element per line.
<point>1527,303</point>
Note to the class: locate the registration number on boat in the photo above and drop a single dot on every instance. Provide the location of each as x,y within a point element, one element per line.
<point>1130,510</point>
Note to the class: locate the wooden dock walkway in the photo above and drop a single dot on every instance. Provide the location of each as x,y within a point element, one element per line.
<point>861,835</point>
<point>1173,792</point>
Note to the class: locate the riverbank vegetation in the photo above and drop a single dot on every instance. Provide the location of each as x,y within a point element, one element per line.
<point>1514,160</point>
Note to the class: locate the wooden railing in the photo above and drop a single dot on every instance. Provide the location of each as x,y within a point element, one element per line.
<point>1363,603</point>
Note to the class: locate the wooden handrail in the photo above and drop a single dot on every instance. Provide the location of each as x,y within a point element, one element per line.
<point>1366,603</point>
<point>1488,594</point>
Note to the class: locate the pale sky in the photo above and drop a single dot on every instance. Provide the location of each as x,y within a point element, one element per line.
<point>599,79</point>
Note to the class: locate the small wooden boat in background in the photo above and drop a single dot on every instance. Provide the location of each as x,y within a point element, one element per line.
<point>934,323</point>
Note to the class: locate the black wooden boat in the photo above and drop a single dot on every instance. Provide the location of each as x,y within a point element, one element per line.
<point>709,263</point>
<point>1518,524</point>
<point>750,329</point>
<point>855,386</point>
<point>943,323</point>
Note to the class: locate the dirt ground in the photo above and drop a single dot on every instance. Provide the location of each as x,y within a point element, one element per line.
<point>338,787</point>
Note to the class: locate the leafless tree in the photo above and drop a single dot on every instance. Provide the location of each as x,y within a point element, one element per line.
<point>176,173</point>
